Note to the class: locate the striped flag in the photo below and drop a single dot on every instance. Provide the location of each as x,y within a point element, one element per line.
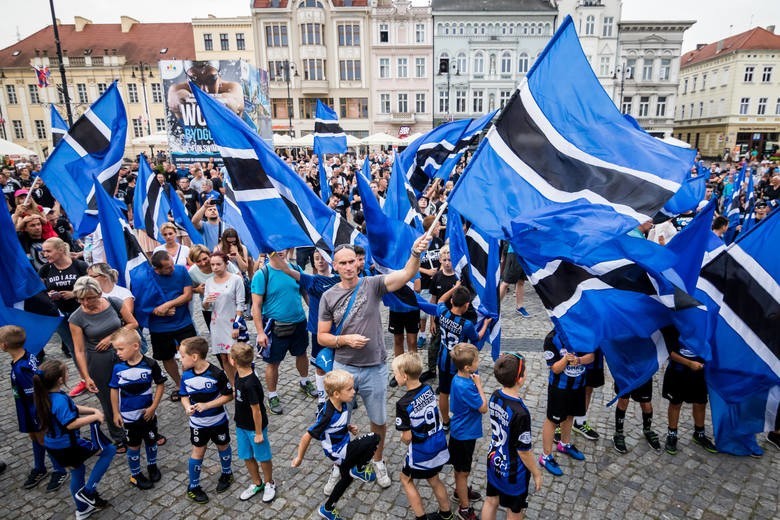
<point>150,204</point>
<point>401,200</point>
<point>58,126</point>
<point>328,135</point>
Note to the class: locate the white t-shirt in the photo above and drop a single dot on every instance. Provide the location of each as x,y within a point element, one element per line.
<point>120,293</point>
<point>180,258</point>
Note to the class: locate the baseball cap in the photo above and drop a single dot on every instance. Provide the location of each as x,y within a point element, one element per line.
<point>21,193</point>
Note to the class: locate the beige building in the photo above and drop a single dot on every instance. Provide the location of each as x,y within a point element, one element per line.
<point>729,95</point>
<point>315,49</point>
<point>94,55</point>
<point>224,38</point>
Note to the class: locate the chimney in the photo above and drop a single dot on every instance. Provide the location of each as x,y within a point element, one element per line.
<point>127,23</point>
<point>770,28</point>
<point>81,22</point>
<point>719,46</point>
<point>700,45</point>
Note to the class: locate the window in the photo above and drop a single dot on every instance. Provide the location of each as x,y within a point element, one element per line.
<point>276,70</point>
<point>224,43</point>
<point>18,130</point>
<point>240,42</point>
<point>703,81</point>
<point>777,107</point>
<point>403,102</point>
<point>281,108</point>
<point>691,109</point>
<point>2,132</point>
<point>208,43</point>
<point>403,67</point>
<point>701,109</point>
<point>35,97</point>
<point>157,96</point>
<point>647,69</point>
<point>353,108</point>
<point>462,63</point>
<point>478,101</point>
<point>748,74</point>
<point>384,103</point>
<point>479,63</point>
<point>138,127</point>
<point>627,105</point>
<point>590,25</point>
<point>522,63</point>
<point>310,3</point>
<point>313,70</point>
<point>766,76</point>
<point>384,68</point>
<point>102,87</point>
<point>10,90</point>
<point>744,103</point>
<point>384,33</point>
<point>685,86</point>
<point>725,77</point>
<point>419,67</point>
<point>444,101</point>
<point>81,90</point>
<point>606,30</point>
<point>460,100</point>
<point>40,128</point>
<point>682,111</point>
<point>60,94</point>
<point>504,96</point>
<point>308,106</point>
<point>349,70</point>
<point>419,33</point>
<point>666,68</point>
<point>132,93</point>
<point>159,124</point>
<point>276,35</point>
<point>506,63</point>
<point>419,102</point>
<point>693,83</point>
<point>349,35</point>
<point>644,106</point>
<point>660,107</point>
<point>604,65</point>
<point>630,68</point>
<point>311,33</point>
<point>762,106</point>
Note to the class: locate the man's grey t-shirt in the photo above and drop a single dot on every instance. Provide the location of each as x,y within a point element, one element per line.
<point>363,319</point>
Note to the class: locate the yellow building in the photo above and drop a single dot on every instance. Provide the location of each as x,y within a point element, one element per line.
<point>224,38</point>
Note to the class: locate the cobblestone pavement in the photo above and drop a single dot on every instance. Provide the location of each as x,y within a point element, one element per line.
<point>640,484</point>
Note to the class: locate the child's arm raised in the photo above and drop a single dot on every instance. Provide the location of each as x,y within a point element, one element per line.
<point>302,447</point>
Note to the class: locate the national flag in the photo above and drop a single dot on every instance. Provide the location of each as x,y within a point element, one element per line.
<point>92,148</point>
<point>750,213</point>
<point>329,137</point>
<point>180,216</point>
<point>150,203</point>
<point>742,293</point>
<point>42,74</point>
<point>561,141</point>
<point>58,126</point>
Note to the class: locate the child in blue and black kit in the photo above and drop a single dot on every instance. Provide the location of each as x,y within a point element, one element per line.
<point>204,391</point>
<point>135,404</point>
<point>61,419</point>
<point>23,367</point>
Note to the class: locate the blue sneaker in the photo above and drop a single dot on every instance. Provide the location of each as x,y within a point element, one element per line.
<point>571,451</point>
<point>329,514</point>
<point>420,341</point>
<point>366,473</point>
<point>550,464</point>
<point>524,313</point>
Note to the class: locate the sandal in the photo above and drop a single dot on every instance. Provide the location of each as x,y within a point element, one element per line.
<point>161,440</point>
<point>175,397</point>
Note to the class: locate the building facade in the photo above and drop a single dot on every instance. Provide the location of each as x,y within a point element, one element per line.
<point>224,38</point>
<point>94,56</point>
<point>729,95</point>
<point>315,49</point>
<point>647,73</point>
<point>482,50</point>
<point>402,64</point>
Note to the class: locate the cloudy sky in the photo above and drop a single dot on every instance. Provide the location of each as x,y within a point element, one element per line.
<point>715,18</point>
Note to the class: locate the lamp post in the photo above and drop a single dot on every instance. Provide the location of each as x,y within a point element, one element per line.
<point>286,66</point>
<point>622,71</point>
<point>65,94</point>
<point>446,66</point>
<point>143,68</point>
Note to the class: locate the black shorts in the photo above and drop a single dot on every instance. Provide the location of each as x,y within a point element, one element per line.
<point>563,403</point>
<point>513,271</point>
<point>683,385</point>
<point>164,344</point>
<point>81,449</point>
<point>315,349</point>
<point>461,454</point>
<point>643,394</point>
<point>141,430</point>
<point>296,344</point>
<point>404,322</point>
<point>594,377</point>
<point>515,503</point>
<point>420,474</point>
<point>445,382</point>
<point>219,434</point>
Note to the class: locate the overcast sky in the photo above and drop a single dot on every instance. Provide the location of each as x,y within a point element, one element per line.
<point>716,19</point>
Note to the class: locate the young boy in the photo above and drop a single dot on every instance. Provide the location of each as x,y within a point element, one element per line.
<point>23,367</point>
<point>510,459</point>
<point>418,421</point>
<point>251,424</point>
<point>332,428</point>
<point>454,328</point>
<point>467,404</point>
<point>565,399</point>
<point>204,391</point>
<point>684,383</point>
<point>135,405</point>
<point>644,396</point>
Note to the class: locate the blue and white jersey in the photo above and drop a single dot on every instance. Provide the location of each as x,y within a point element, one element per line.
<point>135,385</point>
<point>454,329</point>
<point>332,430</point>
<point>22,372</point>
<point>204,388</point>
<point>573,376</point>
<point>417,411</point>
<point>510,428</point>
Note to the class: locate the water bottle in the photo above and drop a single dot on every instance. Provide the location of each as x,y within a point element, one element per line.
<point>88,246</point>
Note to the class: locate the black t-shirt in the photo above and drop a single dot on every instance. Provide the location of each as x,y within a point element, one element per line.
<point>216,182</point>
<point>190,200</point>
<point>356,204</point>
<point>430,260</point>
<point>63,280</point>
<point>441,283</point>
<point>62,228</point>
<point>33,247</point>
<point>249,391</point>
<point>121,188</point>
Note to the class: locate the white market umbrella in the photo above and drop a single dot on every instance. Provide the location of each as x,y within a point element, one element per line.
<point>352,141</point>
<point>675,142</point>
<point>380,139</point>
<point>306,141</point>
<point>282,140</point>
<point>156,139</point>
<point>409,139</point>
<point>9,148</point>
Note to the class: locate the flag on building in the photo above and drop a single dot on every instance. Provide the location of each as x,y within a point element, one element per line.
<point>58,126</point>
<point>42,74</point>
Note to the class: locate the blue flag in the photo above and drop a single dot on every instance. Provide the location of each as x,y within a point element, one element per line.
<point>328,135</point>
<point>732,206</point>
<point>633,360</point>
<point>401,201</point>
<point>687,198</point>
<point>39,328</point>
<point>58,126</point>
<point>423,159</point>
<point>473,130</point>
<point>92,148</point>
<point>232,217</point>
<point>325,191</point>
<point>150,203</point>
<point>18,279</point>
<point>560,141</point>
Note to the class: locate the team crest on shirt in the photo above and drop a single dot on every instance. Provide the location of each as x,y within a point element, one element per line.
<point>525,438</point>
<point>548,355</point>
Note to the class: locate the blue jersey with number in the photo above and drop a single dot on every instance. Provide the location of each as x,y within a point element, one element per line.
<point>454,329</point>
<point>417,412</point>
<point>134,383</point>
<point>510,426</point>
<point>204,388</point>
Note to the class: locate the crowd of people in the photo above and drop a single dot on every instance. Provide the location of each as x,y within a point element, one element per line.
<point>125,344</point>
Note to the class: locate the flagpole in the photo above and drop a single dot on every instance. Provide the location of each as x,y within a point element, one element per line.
<point>436,220</point>
<point>62,65</point>
<point>29,192</point>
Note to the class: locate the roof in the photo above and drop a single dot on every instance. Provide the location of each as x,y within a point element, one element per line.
<point>757,38</point>
<point>282,4</point>
<point>493,5</point>
<point>141,43</point>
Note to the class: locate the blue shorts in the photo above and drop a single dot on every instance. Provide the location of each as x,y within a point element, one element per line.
<point>249,449</point>
<point>371,385</point>
<point>296,344</point>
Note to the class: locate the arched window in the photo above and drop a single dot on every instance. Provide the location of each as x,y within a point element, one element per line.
<point>310,3</point>
<point>462,63</point>
<point>446,28</point>
<point>525,28</point>
<point>482,29</point>
<point>590,25</point>
<point>511,28</point>
<point>506,63</point>
<point>461,29</point>
<point>532,29</point>
<point>522,63</point>
<point>547,29</point>
<point>503,28</point>
<point>479,63</point>
<point>440,28</point>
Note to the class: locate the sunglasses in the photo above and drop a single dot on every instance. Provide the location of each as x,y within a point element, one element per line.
<point>520,361</point>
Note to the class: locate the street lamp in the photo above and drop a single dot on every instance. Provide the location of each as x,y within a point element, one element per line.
<point>622,71</point>
<point>446,66</point>
<point>285,67</point>
<point>143,68</point>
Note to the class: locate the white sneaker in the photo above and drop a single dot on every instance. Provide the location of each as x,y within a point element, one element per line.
<point>382,478</point>
<point>335,476</point>
<point>251,491</point>
<point>270,492</point>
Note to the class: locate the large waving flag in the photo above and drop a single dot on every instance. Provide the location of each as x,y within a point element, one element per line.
<point>150,203</point>
<point>232,217</point>
<point>741,290</point>
<point>687,198</point>
<point>401,201</point>
<point>92,148</point>
<point>58,126</point>
<point>732,206</point>
<point>328,135</point>
<point>476,127</point>
<point>561,141</point>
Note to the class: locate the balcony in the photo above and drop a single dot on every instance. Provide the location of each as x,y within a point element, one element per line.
<point>314,86</point>
<point>402,117</point>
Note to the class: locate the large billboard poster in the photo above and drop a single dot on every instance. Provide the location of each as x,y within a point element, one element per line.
<point>237,84</point>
